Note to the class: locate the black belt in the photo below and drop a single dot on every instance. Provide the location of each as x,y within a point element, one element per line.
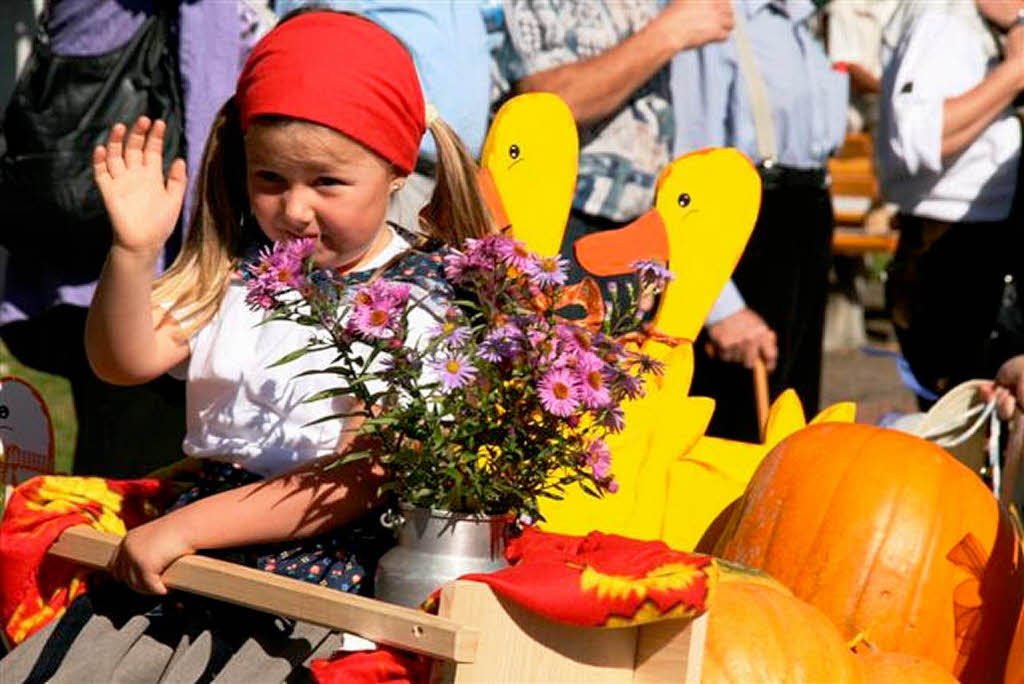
<point>776,176</point>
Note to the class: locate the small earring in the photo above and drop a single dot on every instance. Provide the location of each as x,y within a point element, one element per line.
<point>396,186</point>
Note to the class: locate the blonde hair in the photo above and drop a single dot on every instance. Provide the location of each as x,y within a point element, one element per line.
<point>456,210</point>
<point>194,285</point>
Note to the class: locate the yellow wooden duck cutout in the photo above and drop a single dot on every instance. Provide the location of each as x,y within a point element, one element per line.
<point>710,477</point>
<point>528,169</point>
<point>706,204</point>
<point>674,481</point>
<point>705,208</point>
<point>528,178</point>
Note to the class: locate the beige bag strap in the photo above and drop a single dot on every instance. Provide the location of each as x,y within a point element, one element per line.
<point>764,125</point>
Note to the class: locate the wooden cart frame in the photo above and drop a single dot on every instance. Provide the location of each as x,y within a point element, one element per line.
<point>476,637</point>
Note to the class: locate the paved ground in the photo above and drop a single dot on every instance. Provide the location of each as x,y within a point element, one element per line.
<point>871,381</point>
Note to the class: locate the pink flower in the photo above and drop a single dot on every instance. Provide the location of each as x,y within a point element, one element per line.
<point>516,254</point>
<point>599,458</point>
<point>559,392</point>
<point>549,271</point>
<point>374,321</point>
<point>455,265</point>
<point>377,309</point>
<point>593,390</point>
<point>653,273</point>
<point>456,370</point>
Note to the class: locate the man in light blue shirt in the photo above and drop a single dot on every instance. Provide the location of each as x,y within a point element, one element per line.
<point>448,42</point>
<point>781,279</point>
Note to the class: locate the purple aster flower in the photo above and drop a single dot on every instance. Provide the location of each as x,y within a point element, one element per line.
<point>259,297</point>
<point>456,370</point>
<point>455,266</point>
<point>559,392</point>
<point>593,389</point>
<point>516,254</point>
<point>549,271</point>
<point>375,320</point>
<point>501,343</point>
<point>450,333</point>
<point>613,420</point>
<point>300,249</point>
<point>653,273</point>
<point>599,458</point>
<point>626,385</point>
<point>485,252</point>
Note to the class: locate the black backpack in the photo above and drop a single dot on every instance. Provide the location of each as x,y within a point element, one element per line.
<point>62,107</point>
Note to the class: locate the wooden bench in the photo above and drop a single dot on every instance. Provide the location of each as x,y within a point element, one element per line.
<point>855,193</point>
<point>477,636</point>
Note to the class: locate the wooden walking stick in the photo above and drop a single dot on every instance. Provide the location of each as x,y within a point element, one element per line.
<point>761,395</point>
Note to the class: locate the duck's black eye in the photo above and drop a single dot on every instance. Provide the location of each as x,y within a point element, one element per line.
<point>4,412</point>
<point>513,151</point>
<point>684,200</point>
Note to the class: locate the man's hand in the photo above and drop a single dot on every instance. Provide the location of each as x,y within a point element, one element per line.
<point>742,338</point>
<point>1008,388</point>
<point>146,552</point>
<point>692,23</point>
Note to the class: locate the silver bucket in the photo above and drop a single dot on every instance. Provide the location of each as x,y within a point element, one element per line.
<point>435,547</point>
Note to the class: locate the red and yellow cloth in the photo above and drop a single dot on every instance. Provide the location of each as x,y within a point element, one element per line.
<point>600,580</point>
<point>35,588</point>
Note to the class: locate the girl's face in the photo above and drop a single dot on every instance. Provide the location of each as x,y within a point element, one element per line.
<point>310,181</point>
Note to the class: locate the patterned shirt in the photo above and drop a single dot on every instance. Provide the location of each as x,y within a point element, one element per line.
<point>620,156</point>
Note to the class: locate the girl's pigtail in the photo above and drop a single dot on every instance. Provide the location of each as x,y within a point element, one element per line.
<point>194,285</point>
<point>456,210</point>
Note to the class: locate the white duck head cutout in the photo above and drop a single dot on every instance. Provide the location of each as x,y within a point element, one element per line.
<point>26,433</point>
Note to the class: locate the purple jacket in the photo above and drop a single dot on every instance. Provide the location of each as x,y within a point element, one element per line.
<point>211,51</point>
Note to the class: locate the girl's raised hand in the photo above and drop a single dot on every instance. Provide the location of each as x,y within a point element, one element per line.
<point>142,205</point>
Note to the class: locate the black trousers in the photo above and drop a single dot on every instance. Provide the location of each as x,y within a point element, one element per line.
<point>783,276</point>
<point>122,431</point>
<point>953,295</point>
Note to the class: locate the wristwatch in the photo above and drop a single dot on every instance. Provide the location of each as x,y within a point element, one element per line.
<point>1019,21</point>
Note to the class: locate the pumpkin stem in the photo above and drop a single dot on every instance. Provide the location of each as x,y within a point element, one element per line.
<point>861,638</point>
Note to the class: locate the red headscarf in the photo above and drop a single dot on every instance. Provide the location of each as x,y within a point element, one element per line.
<point>341,71</point>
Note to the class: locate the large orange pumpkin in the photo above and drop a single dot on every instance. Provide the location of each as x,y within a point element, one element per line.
<point>1015,663</point>
<point>891,538</point>
<point>892,668</point>
<point>759,632</point>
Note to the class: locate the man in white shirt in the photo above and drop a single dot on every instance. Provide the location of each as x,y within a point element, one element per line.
<point>948,150</point>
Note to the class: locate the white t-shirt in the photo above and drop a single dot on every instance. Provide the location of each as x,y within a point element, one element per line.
<point>942,56</point>
<point>243,412</point>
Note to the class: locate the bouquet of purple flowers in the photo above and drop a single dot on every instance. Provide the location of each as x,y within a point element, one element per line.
<point>502,402</point>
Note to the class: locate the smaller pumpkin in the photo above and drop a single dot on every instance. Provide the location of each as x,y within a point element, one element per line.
<point>759,632</point>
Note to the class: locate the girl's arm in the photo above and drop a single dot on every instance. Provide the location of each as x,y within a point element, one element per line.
<point>127,341</point>
<point>302,503</point>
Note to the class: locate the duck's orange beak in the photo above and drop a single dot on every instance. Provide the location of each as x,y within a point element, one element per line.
<point>613,252</point>
<point>491,197</point>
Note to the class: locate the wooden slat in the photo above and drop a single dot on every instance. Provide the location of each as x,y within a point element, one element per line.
<point>518,646</point>
<point>856,242</point>
<point>671,651</point>
<point>375,620</point>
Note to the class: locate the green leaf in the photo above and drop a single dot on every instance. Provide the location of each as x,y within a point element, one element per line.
<point>288,358</point>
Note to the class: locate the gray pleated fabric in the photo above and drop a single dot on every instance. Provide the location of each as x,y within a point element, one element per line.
<point>103,653</point>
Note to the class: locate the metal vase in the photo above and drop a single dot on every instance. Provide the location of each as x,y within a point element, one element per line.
<point>435,547</point>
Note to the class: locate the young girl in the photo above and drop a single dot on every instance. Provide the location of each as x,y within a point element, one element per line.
<point>325,123</point>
